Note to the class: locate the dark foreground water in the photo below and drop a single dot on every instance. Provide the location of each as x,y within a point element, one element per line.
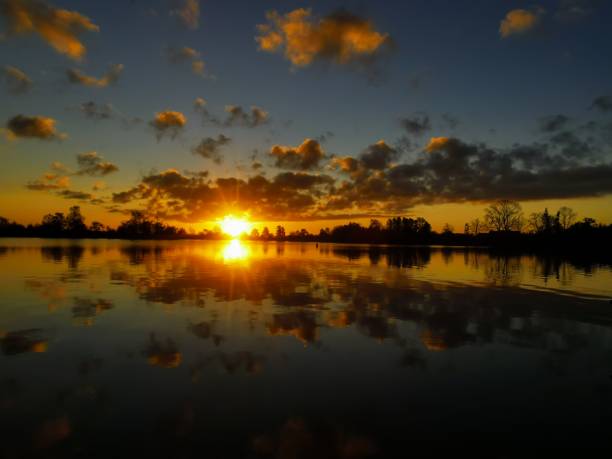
<point>199,349</point>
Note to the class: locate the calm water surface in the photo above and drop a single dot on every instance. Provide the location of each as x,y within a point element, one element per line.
<point>228,349</point>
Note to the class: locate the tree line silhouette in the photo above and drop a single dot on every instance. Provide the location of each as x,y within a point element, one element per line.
<point>503,224</point>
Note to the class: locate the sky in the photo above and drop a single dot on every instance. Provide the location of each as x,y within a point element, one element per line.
<point>304,114</point>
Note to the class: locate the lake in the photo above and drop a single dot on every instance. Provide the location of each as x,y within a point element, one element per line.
<point>287,350</point>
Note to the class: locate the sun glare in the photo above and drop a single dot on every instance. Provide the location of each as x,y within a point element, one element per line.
<point>234,251</point>
<point>234,227</point>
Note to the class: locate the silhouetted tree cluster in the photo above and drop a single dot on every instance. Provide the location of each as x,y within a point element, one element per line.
<point>503,225</point>
<point>141,227</point>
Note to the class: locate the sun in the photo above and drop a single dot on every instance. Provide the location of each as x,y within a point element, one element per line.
<point>234,227</point>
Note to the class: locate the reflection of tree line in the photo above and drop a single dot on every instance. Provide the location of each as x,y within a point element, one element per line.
<point>446,316</point>
<point>499,267</point>
<point>443,318</point>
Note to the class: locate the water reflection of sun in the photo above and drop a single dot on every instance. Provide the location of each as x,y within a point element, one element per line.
<point>235,250</point>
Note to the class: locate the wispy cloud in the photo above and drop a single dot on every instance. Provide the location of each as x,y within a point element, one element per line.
<point>210,147</point>
<point>186,54</point>
<point>75,76</point>
<point>188,12</point>
<point>60,28</point>
<point>17,81</point>
<point>92,164</point>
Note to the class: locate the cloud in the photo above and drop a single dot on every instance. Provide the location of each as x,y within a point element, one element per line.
<point>49,181</point>
<point>17,81</point>
<point>209,147</point>
<point>95,111</point>
<point>378,156</point>
<point>77,195</point>
<point>306,156</point>
<point>58,27</point>
<point>58,178</point>
<point>417,124</point>
<point>436,143</point>
<point>346,164</point>
<point>567,164</point>
<point>34,127</point>
<point>519,22</point>
<point>169,123</point>
<point>341,37</point>
<point>199,103</point>
<point>177,196</point>
<point>237,116</point>
<point>110,77</point>
<point>453,171</point>
<point>602,103</point>
<point>56,166</point>
<point>553,123</point>
<point>188,12</point>
<point>187,54</point>
<point>92,164</point>
<point>447,170</point>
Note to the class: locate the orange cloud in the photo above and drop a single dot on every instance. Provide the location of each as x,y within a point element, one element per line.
<point>49,181</point>
<point>162,354</point>
<point>345,164</point>
<point>58,27</point>
<point>303,157</point>
<point>77,77</point>
<point>168,122</point>
<point>342,37</point>
<point>18,82</point>
<point>187,54</point>
<point>92,164</point>
<point>518,22</point>
<point>436,143</point>
<point>188,12</point>
<point>38,127</point>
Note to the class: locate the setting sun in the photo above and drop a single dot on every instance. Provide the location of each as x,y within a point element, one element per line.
<point>234,227</point>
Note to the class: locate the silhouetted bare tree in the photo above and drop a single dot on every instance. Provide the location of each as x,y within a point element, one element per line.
<point>504,215</point>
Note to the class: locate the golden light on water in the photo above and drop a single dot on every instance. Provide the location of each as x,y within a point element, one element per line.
<point>235,250</point>
<point>234,227</point>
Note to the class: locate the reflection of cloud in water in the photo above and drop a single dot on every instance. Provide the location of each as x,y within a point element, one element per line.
<point>52,431</point>
<point>53,292</point>
<point>387,330</point>
<point>296,439</point>
<point>204,330</point>
<point>230,362</point>
<point>162,353</point>
<point>320,293</point>
<point>21,341</point>
<point>86,309</point>
<point>300,324</point>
